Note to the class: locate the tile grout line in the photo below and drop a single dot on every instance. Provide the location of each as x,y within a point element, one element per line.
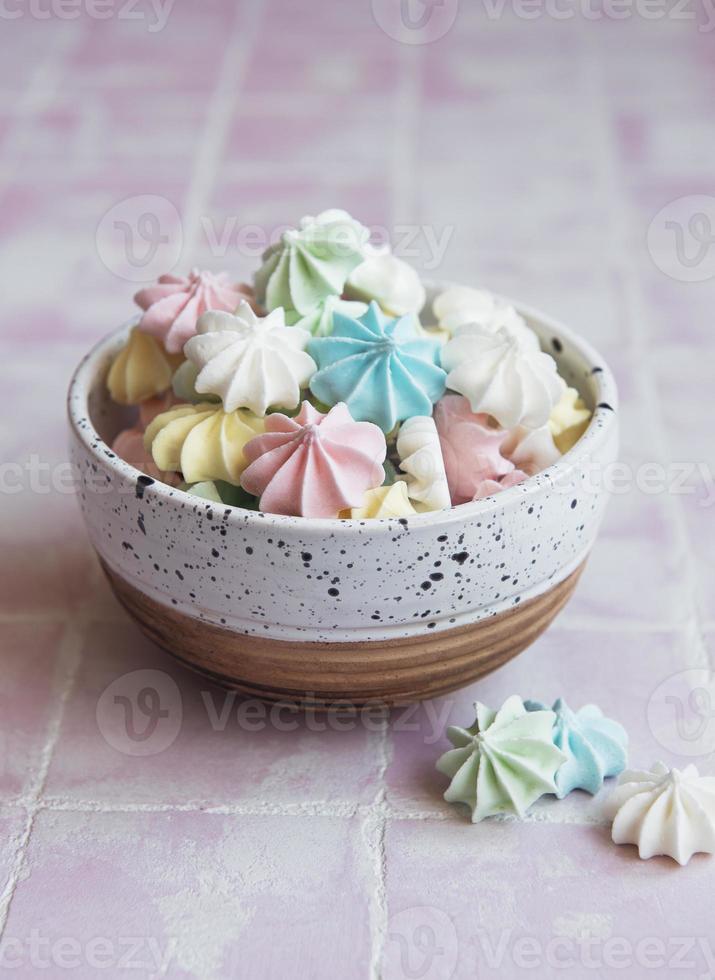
<point>374,834</point>
<point>218,118</point>
<point>68,662</point>
<point>338,810</point>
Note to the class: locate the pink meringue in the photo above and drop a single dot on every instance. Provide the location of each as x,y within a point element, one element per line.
<point>173,304</point>
<point>314,465</point>
<point>470,447</point>
<point>488,487</point>
<point>129,446</point>
<point>149,409</point>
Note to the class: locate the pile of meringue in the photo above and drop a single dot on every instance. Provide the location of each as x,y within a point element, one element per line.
<point>510,758</point>
<point>318,391</point>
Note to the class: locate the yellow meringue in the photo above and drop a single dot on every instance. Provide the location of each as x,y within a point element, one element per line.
<point>384,502</point>
<point>569,420</point>
<point>140,370</point>
<point>203,442</point>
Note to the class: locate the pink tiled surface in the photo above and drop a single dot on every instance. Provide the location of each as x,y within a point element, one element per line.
<point>538,152</point>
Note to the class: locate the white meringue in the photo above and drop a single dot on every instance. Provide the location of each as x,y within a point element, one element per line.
<point>420,453</point>
<point>388,280</point>
<point>459,305</point>
<point>530,450</point>
<point>502,375</point>
<point>666,811</point>
<point>251,362</point>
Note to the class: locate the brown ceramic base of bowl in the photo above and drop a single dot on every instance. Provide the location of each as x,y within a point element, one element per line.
<point>325,675</point>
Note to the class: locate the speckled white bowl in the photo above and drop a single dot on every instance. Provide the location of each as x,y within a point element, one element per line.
<point>325,610</point>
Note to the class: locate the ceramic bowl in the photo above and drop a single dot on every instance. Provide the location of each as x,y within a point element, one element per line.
<point>328,611</point>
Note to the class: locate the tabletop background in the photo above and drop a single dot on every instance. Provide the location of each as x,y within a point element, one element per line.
<point>543,152</point>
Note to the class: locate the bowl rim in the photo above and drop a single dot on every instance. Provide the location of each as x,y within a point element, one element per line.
<point>596,435</point>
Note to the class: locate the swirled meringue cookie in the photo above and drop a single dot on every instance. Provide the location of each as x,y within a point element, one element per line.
<point>388,280</point>
<point>471,447</point>
<point>420,453</point>
<point>174,304</point>
<point>487,488</point>
<point>203,442</point>
<point>141,370</point>
<point>461,305</point>
<point>504,762</point>
<point>380,367</point>
<point>319,322</point>
<point>530,450</point>
<point>384,503</point>
<point>502,376</point>
<point>314,465</point>
<point>129,446</point>
<point>664,812</point>
<point>568,420</point>
<point>595,746</point>
<point>250,362</point>
<point>152,407</point>
<point>311,262</point>
<point>183,385</point>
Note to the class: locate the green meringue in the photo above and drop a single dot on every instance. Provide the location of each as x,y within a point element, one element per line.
<point>504,762</point>
<point>319,321</point>
<point>311,262</point>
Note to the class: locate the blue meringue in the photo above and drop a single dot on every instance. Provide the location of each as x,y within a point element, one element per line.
<point>381,368</point>
<point>595,746</point>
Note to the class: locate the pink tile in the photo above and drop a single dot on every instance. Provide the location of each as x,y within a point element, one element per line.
<point>200,895</point>
<point>617,671</point>
<point>635,577</point>
<point>30,687</point>
<point>279,65</point>
<point>240,205</point>
<point>76,135</point>
<point>336,135</point>
<point>212,747</point>
<point>498,899</point>
<point>679,313</point>
<point>45,563</point>
<point>147,56</point>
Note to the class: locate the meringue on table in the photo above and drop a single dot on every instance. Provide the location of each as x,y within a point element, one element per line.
<point>667,812</point>
<point>504,762</point>
<point>595,746</point>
